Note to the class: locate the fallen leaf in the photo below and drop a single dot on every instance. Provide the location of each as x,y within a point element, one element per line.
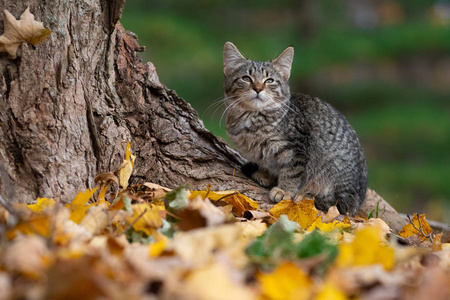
<point>256,214</point>
<point>303,212</point>
<point>17,32</point>
<point>41,204</point>
<point>287,281</point>
<point>78,206</point>
<point>331,215</point>
<point>106,178</point>
<point>154,191</point>
<point>329,291</point>
<point>27,255</point>
<point>199,246</point>
<point>155,249</point>
<point>419,222</point>
<point>6,284</point>
<point>437,243</point>
<point>145,218</point>
<point>126,168</point>
<point>367,248</point>
<point>381,225</point>
<point>214,281</point>
<point>240,203</point>
<point>326,227</point>
<point>252,229</point>
<point>35,224</point>
<point>96,219</point>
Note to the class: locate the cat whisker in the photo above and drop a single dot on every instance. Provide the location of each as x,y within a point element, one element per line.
<point>232,105</point>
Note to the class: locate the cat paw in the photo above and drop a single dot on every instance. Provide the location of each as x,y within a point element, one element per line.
<point>263,178</point>
<point>277,194</point>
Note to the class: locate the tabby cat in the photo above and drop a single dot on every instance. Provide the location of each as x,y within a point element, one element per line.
<point>298,145</point>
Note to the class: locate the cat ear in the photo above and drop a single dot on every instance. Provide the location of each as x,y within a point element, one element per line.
<point>232,58</point>
<point>283,62</point>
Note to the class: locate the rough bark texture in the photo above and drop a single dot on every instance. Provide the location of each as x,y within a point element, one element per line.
<point>69,105</point>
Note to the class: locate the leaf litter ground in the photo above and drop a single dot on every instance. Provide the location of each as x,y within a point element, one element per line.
<point>150,242</point>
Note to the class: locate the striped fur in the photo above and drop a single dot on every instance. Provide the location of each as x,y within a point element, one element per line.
<point>299,145</point>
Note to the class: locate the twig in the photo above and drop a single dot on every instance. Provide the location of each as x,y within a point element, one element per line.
<point>226,196</point>
<point>135,220</point>
<point>420,230</point>
<point>173,215</point>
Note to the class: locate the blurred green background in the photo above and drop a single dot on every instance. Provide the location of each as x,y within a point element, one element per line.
<point>384,64</point>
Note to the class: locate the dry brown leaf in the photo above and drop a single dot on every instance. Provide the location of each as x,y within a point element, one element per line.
<point>375,222</point>
<point>331,215</point>
<point>106,178</point>
<point>256,214</point>
<point>27,255</point>
<point>17,32</point>
<point>5,286</point>
<point>96,219</point>
<point>198,284</point>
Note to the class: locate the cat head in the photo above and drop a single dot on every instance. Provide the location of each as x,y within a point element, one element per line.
<point>255,85</point>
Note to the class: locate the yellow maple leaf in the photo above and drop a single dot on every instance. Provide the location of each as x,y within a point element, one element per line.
<point>286,282</point>
<point>17,32</point>
<point>126,168</point>
<point>367,248</point>
<point>330,292</point>
<point>409,230</point>
<point>303,212</point>
<point>326,227</point>
<point>78,206</point>
<point>41,204</point>
<point>145,218</point>
<point>155,249</point>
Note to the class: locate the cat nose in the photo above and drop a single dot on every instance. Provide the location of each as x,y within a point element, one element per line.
<point>257,88</point>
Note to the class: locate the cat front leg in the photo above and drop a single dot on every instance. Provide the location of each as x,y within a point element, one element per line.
<point>259,175</point>
<point>291,176</point>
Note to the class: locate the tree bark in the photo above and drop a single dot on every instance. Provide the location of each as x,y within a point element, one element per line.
<point>69,105</point>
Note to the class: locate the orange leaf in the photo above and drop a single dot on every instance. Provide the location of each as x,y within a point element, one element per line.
<point>303,212</point>
<point>409,230</point>
<point>239,202</point>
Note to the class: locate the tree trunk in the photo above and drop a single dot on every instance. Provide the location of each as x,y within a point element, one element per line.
<point>70,104</point>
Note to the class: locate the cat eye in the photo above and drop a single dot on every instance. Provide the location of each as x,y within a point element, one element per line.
<point>269,80</point>
<point>246,79</point>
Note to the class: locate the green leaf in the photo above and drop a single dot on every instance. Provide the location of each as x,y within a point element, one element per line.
<point>277,244</point>
<point>315,244</point>
<point>176,200</point>
<point>127,203</point>
<point>134,236</point>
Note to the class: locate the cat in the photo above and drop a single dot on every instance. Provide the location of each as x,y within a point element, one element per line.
<point>298,145</point>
